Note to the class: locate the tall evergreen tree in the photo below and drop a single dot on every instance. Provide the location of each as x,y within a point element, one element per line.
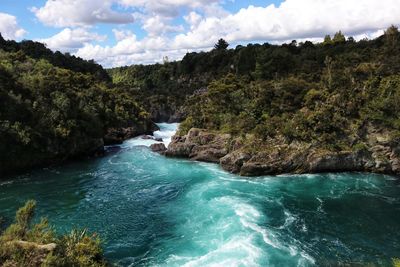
<point>221,45</point>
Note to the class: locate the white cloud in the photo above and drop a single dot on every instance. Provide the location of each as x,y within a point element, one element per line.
<point>157,25</point>
<point>193,19</point>
<point>72,39</point>
<point>293,19</point>
<point>9,27</point>
<point>369,35</point>
<point>168,8</point>
<point>296,19</point>
<point>70,13</point>
<point>121,34</point>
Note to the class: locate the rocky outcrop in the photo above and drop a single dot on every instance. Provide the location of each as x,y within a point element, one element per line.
<point>277,156</point>
<point>199,145</point>
<point>234,161</point>
<point>337,162</point>
<point>118,135</point>
<point>32,245</point>
<point>158,147</point>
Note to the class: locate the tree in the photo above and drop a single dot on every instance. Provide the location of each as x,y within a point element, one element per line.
<point>221,45</point>
<point>339,38</point>
<point>391,36</point>
<point>2,41</point>
<point>327,40</point>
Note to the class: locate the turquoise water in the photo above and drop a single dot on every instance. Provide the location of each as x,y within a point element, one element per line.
<point>156,211</point>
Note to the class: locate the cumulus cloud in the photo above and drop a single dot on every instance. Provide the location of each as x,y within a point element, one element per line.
<point>156,25</point>
<point>69,40</point>
<point>70,13</point>
<point>293,19</point>
<point>121,34</point>
<point>296,19</point>
<point>168,8</point>
<point>9,27</point>
<point>193,19</point>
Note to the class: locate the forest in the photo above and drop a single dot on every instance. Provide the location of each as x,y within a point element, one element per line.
<point>56,107</point>
<point>310,92</point>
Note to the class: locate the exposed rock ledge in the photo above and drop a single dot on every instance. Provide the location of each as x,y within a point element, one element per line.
<point>118,135</point>
<point>277,156</point>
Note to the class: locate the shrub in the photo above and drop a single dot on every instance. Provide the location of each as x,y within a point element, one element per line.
<point>24,244</point>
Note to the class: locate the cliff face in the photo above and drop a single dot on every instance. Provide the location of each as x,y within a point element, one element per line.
<point>277,156</point>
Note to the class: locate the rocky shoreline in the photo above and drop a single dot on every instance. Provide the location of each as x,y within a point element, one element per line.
<point>378,154</point>
<point>115,136</point>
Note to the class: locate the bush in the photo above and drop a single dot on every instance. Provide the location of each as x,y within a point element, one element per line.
<point>24,244</point>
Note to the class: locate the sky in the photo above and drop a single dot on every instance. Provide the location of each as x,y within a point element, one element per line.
<point>125,32</point>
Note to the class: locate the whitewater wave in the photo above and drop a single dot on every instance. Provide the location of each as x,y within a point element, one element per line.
<point>167,130</point>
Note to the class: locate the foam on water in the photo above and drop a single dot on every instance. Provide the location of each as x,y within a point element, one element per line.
<point>167,130</point>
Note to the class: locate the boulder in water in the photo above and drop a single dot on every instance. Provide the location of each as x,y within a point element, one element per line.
<point>159,148</point>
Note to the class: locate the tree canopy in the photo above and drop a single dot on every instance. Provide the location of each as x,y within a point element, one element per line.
<point>221,44</point>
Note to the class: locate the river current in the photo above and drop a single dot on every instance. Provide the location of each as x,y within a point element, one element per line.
<point>156,211</point>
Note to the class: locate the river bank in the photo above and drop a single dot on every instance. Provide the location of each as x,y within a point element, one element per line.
<point>249,157</point>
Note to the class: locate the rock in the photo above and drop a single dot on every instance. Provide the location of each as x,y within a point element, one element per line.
<point>159,147</point>
<point>395,163</point>
<point>207,153</point>
<point>257,169</point>
<point>277,156</point>
<point>150,137</point>
<point>199,145</point>
<point>335,162</point>
<point>28,245</point>
<point>179,150</point>
<point>234,161</point>
<point>118,135</point>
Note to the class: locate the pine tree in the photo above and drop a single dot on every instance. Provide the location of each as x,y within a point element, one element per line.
<point>221,45</point>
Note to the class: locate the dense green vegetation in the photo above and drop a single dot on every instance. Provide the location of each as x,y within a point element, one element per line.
<point>26,244</point>
<point>66,61</point>
<point>54,106</point>
<point>163,88</point>
<point>303,91</point>
<point>322,93</point>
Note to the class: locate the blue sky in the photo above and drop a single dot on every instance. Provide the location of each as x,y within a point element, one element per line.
<point>124,32</point>
<point>36,30</point>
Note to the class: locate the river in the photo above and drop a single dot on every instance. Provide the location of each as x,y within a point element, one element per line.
<point>156,211</point>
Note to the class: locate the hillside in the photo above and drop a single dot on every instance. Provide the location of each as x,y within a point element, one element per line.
<point>338,100</point>
<point>298,107</point>
<point>56,107</point>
